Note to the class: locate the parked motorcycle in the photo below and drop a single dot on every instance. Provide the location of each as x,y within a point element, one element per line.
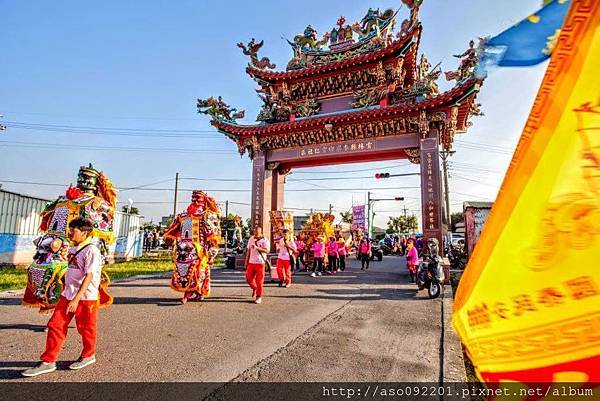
<point>430,274</point>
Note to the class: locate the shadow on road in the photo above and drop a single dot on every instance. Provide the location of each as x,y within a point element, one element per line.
<point>358,294</point>
<point>17,367</point>
<point>23,326</point>
<point>10,301</point>
<point>146,301</point>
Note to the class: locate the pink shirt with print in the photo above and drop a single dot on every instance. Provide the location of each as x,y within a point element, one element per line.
<point>319,249</point>
<point>284,254</point>
<point>332,248</point>
<point>89,260</point>
<point>255,257</point>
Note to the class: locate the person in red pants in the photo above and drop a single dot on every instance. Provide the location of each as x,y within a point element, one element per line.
<point>287,251</point>
<point>79,299</point>
<point>256,258</point>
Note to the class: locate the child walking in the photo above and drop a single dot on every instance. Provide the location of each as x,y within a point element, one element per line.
<point>287,251</point>
<point>79,299</point>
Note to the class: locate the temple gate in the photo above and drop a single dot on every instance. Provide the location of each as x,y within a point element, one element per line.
<point>359,94</point>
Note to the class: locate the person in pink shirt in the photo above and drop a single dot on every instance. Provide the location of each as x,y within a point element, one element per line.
<point>332,253</point>
<point>342,252</point>
<point>364,253</point>
<point>412,259</point>
<point>301,246</point>
<point>287,251</point>
<point>256,257</point>
<point>318,249</point>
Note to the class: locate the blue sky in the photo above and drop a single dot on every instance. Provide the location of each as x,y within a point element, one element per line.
<point>141,65</point>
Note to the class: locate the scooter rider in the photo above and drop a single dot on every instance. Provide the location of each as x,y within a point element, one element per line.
<point>430,269</point>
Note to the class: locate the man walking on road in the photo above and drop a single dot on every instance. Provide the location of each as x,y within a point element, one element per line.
<point>256,258</point>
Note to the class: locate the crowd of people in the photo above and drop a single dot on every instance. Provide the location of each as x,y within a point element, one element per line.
<point>152,239</point>
<point>293,254</point>
<point>397,244</point>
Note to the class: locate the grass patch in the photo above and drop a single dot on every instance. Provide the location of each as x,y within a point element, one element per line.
<point>138,267</point>
<point>12,278</point>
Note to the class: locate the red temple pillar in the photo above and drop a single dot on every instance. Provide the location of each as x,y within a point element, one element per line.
<point>431,187</point>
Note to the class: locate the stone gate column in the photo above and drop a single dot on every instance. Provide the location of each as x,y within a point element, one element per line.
<point>277,186</point>
<point>261,193</point>
<point>431,187</point>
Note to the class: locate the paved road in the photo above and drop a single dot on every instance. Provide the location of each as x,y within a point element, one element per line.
<point>354,326</point>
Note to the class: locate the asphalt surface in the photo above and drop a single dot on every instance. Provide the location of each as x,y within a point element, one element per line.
<point>353,326</point>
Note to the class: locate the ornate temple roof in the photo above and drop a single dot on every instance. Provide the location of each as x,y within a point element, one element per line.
<point>465,92</point>
<point>361,80</point>
<point>346,60</point>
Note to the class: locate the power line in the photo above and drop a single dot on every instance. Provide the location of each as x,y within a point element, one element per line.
<point>141,188</point>
<point>475,181</point>
<point>101,116</point>
<point>485,145</point>
<point>105,129</point>
<point>126,134</point>
<point>111,148</point>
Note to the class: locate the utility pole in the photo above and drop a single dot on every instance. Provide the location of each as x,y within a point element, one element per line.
<point>175,197</point>
<point>330,208</point>
<point>444,155</point>
<point>404,209</point>
<point>369,214</point>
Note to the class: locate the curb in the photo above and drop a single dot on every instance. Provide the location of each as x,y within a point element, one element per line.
<point>454,364</point>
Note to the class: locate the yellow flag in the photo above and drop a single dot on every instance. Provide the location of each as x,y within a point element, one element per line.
<point>528,304</point>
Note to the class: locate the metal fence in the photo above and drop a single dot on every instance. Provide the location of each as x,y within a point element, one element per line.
<point>20,214</point>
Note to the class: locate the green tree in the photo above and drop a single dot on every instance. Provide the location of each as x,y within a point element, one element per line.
<point>228,224</point>
<point>456,217</point>
<point>346,217</point>
<point>402,224</point>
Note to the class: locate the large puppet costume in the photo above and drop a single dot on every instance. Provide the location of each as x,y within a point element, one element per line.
<point>93,198</point>
<point>196,233</point>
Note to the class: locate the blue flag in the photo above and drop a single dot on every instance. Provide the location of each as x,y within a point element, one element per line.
<point>530,41</point>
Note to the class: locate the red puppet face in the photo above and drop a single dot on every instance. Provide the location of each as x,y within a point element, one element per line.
<point>199,199</point>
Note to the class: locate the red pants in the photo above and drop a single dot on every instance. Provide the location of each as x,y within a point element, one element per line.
<point>85,320</point>
<point>255,276</point>
<point>284,271</point>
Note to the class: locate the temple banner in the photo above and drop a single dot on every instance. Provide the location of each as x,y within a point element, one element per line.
<point>281,220</point>
<point>527,304</point>
<point>358,217</point>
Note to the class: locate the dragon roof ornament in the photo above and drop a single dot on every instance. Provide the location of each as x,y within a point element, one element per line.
<point>374,31</point>
<point>219,110</point>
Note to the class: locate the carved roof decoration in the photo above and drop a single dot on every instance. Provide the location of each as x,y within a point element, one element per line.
<point>367,53</point>
<point>451,108</point>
